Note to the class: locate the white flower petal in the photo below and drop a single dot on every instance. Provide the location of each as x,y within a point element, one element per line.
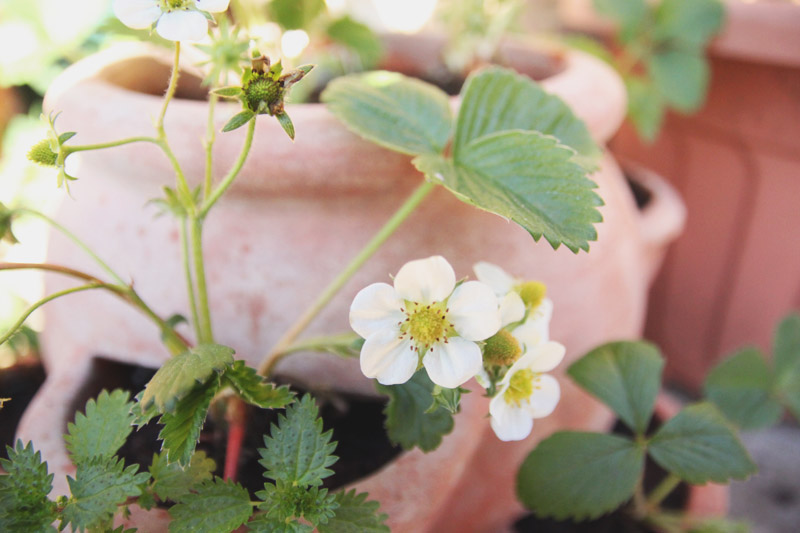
<point>374,308</point>
<point>182,25</point>
<point>512,308</point>
<point>473,311</point>
<point>483,379</point>
<point>389,359</point>
<point>453,363</point>
<point>212,6</point>
<point>494,276</point>
<point>544,399</point>
<point>137,14</point>
<point>543,311</point>
<point>546,357</point>
<point>509,422</point>
<point>425,280</point>
<point>531,334</point>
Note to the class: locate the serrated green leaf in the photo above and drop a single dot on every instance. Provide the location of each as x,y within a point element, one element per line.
<point>267,524</point>
<point>356,514</point>
<point>699,446</point>
<point>786,355</point>
<point>181,374</point>
<point>407,421</point>
<point>99,487</point>
<point>680,77</point>
<point>630,14</point>
<point>295,14</point>
<point>171,481</point>
<point>24,506</point>
<point>228,92</point>
<point>287,501</point>
<point>392,110</point>
<point>238,120</point>
<point>359,38</point>
<point>216,507</point>
<point>688,23</point>
<point>718,525</point>
<point>624,375</point>
<point>182,427</point>
<point>579,475</point>
<point>496,99</point>
<point>645,107</point>
<point>740,386</point>
<point>286,124</point>
<point>526,177</point>
<point>255,389</point>
<point>297,450</point>
<point>103,429</point>
<point>142,416</point>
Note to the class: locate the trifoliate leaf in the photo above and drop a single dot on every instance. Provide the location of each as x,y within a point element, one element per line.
<point>626,376</point>
<point>630,14</point>
<point>238,120</point>
<point>297,450</point>
<point>103,429</point>
<point>255,389</point>
<point>740,386</point>
<point>216,507</point>
<point>287,501</point>
<point>579,475</point>
<point>527,177</point>
<point>24,506</point>
<point>645,107</point>
<point>181,374</point>
<point>357,37</point>
<point>787,362</point>
<point>355,514</point>
<point>172,482</point>
<point>182,427</point>
<point>699,446</point>
<point>392,110</point>
<point>497,99</point>
<point>407,421</point>
<point>687,23</point>
<point>681,78</point>
<point>100,485</point>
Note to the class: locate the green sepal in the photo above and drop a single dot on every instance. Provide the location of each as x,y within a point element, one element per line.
<point>447,399</point>
<point>286,124</point>
<point>239,120</point>
<point>64,137</point>
<point>228,92</point>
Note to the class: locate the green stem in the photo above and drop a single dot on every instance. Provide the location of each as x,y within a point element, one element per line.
<point>39,303</point>
<point>279,350</point>
<point>662,490</point>
<point>187,269</point>
<point>322,343</point>
<point>172,87</point>
<point>234,171</point>
<point>205,333</point>
<point>111,144</point>
<point>211,136</point>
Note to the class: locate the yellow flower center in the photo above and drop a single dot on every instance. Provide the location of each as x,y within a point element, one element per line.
<point>501,349</point>
<point>426,324</point>
<point>176,4</point>
<point>532,293</point>
<point>520,386</point>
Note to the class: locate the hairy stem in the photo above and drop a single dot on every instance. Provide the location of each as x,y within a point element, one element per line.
<point>279,350</point>
<point>111,144</point>
<point>205,333</point>
<point>211,136</point>
<point>187,270</point>
<point>662,490</point>
<point>227,181</point>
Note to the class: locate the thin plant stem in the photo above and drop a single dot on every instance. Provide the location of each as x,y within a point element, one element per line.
<point>278,351</point>
<point>662,490</point>
<point>196,234</point>
<point>211,136</point>
<point>321,343</point>
<point>187,270</point>
<point>111,144</point>
<point>232,173</point>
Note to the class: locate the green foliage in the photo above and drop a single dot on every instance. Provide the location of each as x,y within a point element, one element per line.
<point>182,427</point>
<point>626,376</point>
<point>295,14</point>
<point>408,420</point>
<point>699,446</point>
<point>579,475</point>
<point>103,429</point>
<point>681,78</point>
<point>358,38</point>
<point>389,109</point>
<point>287,502</point>
<point>238,120</point>
<point>181,374</point>
<point>687,23</point>
<point>297,451</point>
<point>24,507</point>
<point>741,387</point>
<point>787,362</point>
<point>646,107</point>
<point>629,13</point>
<point>172,482</point>
<point>255,389</point>
<point>355,514</point>
<point>216,507</point>
<point>100,485</point>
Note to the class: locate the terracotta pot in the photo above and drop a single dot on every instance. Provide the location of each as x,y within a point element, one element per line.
<point>294,218</point>
<point>733,274</point>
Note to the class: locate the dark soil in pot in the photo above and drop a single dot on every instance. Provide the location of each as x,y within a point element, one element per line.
<point>357,423</point>
<point>19,383</point>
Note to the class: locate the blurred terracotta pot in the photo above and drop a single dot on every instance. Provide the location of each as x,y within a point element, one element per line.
<point>294,218</point>
<point>734,272</point>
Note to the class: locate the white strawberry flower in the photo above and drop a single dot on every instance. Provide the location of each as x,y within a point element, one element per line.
<point>526,392</point>
<point>176,20</point>
<point>424,316</point>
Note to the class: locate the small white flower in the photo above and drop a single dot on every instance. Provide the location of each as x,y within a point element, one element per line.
<point>525,392</point>
<point>177,20</point>
<point>423,316</point>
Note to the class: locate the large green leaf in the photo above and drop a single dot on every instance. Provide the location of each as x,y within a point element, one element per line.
<point>688,23</point>
<point>182,427</point>
<point>359,38</point>
<point>579,475</point>
<point>103,429</point>
<point>295,14</point>
<point>216,507</point>
<point>741,387</point>
<point>787,362</point>
<point>497,99</point>
<point>355,514</point>
<point>630,14</point>
<point>24,506</point>
<point>681,78</point>
<point>699,446</point>
<point>626,376</point>
<point>527,177</point>
<point>645,107</point>
<point>297,450</point>
<point>182,373</point>
<point>392,110</point>
<point>408,421</point>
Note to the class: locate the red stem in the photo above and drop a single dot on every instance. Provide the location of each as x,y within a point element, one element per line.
<point>236,416</point>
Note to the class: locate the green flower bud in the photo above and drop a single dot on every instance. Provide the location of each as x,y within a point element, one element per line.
<point>501,349</point>
<point>42,154</point>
